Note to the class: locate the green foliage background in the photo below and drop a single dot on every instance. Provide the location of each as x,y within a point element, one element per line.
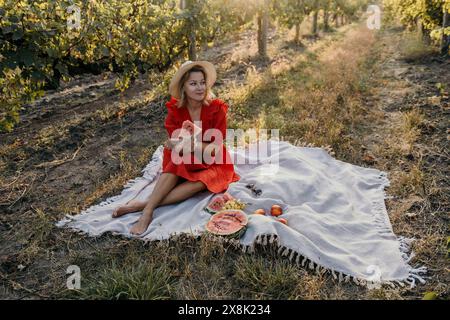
<point>40,43</point>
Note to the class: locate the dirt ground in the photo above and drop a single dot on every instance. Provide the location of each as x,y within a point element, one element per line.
<point>407,90</point>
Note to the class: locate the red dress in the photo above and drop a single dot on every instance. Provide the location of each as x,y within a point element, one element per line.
<point>216,176</point>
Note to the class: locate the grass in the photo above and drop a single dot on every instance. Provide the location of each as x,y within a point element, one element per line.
<point>403,134</point>
<point>408,182</point>
<point>36,231</point>
<point>191,268</point>
<point>402,137</point>
<point>412,48</point>
<point>261,278</point>
<point>315,98</point>
<point>138,280</point>
<point>129,168</point>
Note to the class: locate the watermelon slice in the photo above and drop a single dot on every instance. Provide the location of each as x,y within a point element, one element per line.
<point>228,223</point>
<point>184,136</point>
<point>217,202</point>
<point>189,127</point>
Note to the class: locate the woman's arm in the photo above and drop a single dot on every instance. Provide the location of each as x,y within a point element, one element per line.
<point>215,142</point>
<point>203,146</point>
<point>198,147</point>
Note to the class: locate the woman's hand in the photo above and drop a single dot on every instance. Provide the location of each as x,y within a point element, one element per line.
<point>185,141</point>
<point>190,127</point>
<point>178,145</point>
<point>187,144</point>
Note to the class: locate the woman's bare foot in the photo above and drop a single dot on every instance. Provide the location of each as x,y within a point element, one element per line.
<point>142,224</point>
<point>132,206</point>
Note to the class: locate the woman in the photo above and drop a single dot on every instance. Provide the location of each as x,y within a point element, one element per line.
<point>191,103</point>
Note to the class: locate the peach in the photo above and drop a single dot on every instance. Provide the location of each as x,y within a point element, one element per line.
<point>260,211</point>
<point>276,210</point>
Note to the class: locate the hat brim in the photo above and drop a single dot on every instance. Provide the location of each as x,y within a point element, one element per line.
<point>209,68</point>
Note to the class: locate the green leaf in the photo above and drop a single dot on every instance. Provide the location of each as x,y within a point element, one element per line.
<point>51,52</point>
<point>18,34</point>
<point>430,296</point>
<point>14,19</point>
<point>7,29</point>
<point>26,57</point>
<point>105,51</point>
<point>38,75</point>
<point>62,68</point>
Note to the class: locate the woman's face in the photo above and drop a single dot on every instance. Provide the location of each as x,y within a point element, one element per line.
<point>195,86</point>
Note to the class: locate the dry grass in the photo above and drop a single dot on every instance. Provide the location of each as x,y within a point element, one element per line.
<point>315,98</point>
<point>412,47</point>
<point>128,170</point>
<point>261,278</point>
<point>419,208</point>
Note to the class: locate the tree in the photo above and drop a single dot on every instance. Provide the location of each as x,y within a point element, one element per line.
<point>263,25</point>
<point>315,6</point>
<point>426,16</point>
<point>445,37</point>
<point>291,13</point>
<point>326,14</point>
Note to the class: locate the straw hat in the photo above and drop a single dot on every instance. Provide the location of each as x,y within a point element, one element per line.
<point>211,76</point>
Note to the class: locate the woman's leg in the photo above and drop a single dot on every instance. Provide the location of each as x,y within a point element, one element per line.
<point>137,205</point>
<point>181,192</point>
<point>165,184</point>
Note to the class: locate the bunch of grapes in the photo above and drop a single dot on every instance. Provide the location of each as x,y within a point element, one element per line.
<point>234,204</point>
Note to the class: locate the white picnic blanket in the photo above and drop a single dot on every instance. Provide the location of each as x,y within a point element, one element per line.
<point>337,219</point>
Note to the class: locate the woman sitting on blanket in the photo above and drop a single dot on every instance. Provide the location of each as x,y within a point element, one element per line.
<point>194,158</point>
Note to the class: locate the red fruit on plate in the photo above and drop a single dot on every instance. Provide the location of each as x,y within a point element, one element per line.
<point>276,210</point>
<point>282,220</point>
<point>260,211</point>
<point>216,204</point>
<point>228,223</point>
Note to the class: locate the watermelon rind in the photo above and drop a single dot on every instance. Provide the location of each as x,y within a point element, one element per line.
<point>217,199</point>
<point>231,234</point>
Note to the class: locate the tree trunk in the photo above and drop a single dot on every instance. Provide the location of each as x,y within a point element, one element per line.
<point>336,20</point>
<point>423,33</point>
<point>326,27</point>
<point>263,22</point>
<point>192,46</point>
<point>205,45</point>
<point>297,33</point>
<point>192,37</point>
<point>445,40</point>
<point>314,23</point>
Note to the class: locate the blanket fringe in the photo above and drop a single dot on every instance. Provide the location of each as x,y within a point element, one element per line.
<point>328,148</point>
<point>341,277</point>
<point>385,229</point>
<point>414,273</point>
